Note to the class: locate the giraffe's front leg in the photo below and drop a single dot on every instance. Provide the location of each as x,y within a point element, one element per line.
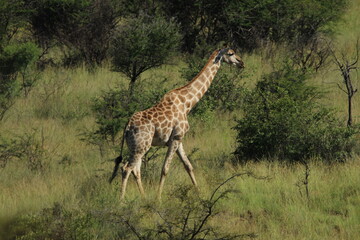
<point>126,170</point>
<point>174,144</point>
<point>189,168</point>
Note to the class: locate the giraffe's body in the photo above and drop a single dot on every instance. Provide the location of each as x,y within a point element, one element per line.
<point>165,124</point>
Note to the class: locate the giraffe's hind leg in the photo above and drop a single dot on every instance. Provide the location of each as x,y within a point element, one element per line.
<point>125,177</point>
<point>137,175</point>
<point>132,166</point>
<point>138,139</point>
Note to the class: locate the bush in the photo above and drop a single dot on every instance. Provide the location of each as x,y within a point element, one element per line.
<point>14,58</point>
<point>282,118</point>
<point>114,108</point>
<point>26,148</point>
<point>51,223</point>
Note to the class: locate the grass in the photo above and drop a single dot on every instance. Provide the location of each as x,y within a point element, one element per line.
<point>329,208</point>
<point>69,198</point>
<point>275,208</point>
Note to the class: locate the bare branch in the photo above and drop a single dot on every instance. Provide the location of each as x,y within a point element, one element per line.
<point>342,88</point>
<point>132,228</point>
<point>333,53</point>
<point>357,53</point>
<point>187,217</point>
<point>202,223</point>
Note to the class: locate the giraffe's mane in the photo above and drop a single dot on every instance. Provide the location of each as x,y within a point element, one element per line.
<point>210,61</point>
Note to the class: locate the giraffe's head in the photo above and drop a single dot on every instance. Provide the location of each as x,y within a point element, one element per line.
<point>229,56</point>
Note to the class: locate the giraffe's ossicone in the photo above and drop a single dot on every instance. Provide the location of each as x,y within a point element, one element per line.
<point>165,124</point>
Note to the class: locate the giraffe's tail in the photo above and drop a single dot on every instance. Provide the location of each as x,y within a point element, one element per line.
<point>119,159</point>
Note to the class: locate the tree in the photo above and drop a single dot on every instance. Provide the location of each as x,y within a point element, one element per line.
<point>15,56</point>
<point>254,22</point>
<point>83,26</point>
<point>142,43</point>
<point>345,67</point>
<point>247,24</point>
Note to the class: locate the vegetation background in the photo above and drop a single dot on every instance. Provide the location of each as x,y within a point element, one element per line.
<point>65,97</point>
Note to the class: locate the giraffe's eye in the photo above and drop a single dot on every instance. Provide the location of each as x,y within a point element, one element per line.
<point>230,54</point>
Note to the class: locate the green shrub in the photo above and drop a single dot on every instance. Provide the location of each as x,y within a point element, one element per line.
<point>27,148</point>
<point>13,58</point>
<point>17,57</point>
<point>282,118</point>
<point>54,223</point>
<point>114,108</point>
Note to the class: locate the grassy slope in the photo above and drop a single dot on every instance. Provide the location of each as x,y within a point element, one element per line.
<point>58,110</point>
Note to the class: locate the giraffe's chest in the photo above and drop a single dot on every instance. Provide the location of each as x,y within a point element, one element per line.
<point>165,132</point>
<point>161,135</point>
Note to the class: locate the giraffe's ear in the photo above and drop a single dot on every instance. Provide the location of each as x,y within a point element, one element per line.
<point>220,54</point>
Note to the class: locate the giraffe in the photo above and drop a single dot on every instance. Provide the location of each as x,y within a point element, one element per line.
<point>166,124</point>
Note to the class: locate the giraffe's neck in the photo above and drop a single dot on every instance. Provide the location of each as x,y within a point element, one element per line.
<point>192,92</point>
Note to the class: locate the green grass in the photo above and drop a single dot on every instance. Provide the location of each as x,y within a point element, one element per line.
<point>71,199</point>
<point>330,207</point>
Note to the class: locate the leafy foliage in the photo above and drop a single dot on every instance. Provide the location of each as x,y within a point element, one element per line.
<point>143,43</point>
<point>13,15</point>
<point>82,26</point>
<point>114,107</point>
<point>278,21</point>
<point>248,23</point>
<point>27,148</point>
<point>52,223</point>
<point>13,58</point>
<point>283,119</point>
<point>16,57</point>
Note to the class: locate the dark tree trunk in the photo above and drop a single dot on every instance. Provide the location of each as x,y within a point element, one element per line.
<point>345,69</point>
<point>349,123</point>
<point>134,76</point>
<point>132,87</point>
